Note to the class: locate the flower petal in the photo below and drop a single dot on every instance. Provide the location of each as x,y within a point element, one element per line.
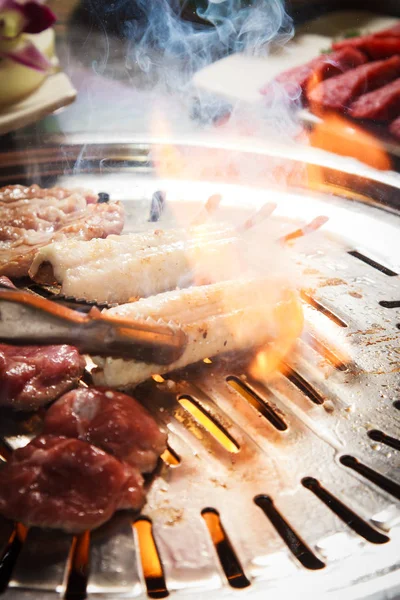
<point>28,55</point>
<point>38,16</point>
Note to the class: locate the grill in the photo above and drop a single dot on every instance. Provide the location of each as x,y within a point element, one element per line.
<point>268,486</point>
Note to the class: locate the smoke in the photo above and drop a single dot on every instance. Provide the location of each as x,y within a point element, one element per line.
<point>169,50</point>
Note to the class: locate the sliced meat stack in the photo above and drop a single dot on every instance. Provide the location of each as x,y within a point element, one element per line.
<point>339,92</point>
<point>33,217</point>
<point>68,484</point>
<point>319,69</point>
<point>31,376</point>
<point>109,420</point>
<point>382,104</point>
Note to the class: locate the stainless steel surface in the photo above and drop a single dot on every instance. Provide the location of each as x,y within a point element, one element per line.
<point>329,406</point>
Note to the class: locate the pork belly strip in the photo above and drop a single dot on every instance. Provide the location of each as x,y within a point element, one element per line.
<point>32,217</point>
<point>118,269</point>
<point>381,105</point>
<point>323,67</point>
<point>31,376</point>
<point>339,92</point>
<point>110,420</point>
<point>66,484</point>
<point>217,318</point>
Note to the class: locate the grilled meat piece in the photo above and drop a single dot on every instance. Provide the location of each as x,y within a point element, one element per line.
<point>339,92</point>
<point>66,484</point>
<point>109,420</point>
<point>33,217</point>
<point>31,376</point>
<point>307,76</point>
<point>6,282</point>
<point>381,105</point>
<point>117,269</point>
<point>382,44</point>
<point>217,318</point>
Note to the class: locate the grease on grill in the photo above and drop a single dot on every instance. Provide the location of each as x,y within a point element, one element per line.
<point>294,542</point>
<point>226,554</point>
<point>372,263</point>
<point>386,484</point>
<point>323,309</point>
<point>11,553</point>
<point>78,567</point>
<point>209,423</point>
<point>383,438</point>
<point>264,408</point>
<point>344,513</point>
<point>150,559</point>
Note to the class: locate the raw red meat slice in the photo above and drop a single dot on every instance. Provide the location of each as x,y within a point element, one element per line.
<point>66,484</point>
<point>376,46</point>
<point>339,92</point>
<point>381,105</point>
<point>394,128</point>
<point>110,420</point>
<point>320,68</point>
<point>393,31</point>
<point>31,376</point>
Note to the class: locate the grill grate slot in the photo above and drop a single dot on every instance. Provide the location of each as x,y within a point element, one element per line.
<point>303,385</point>
<point>383,438</point>
<point>386,484</point>
<point>344,513</point>
<point>372,263</point>
<point>150,559</point>
<point>170,457</point>
<point>11,553</point>
<point>226,554</point>
<point>323,309</point>
<point>332,356</point>
<point>390,303</point>
<point>295,544</point>
<point>78,567</point>
<point>258,403</point>
<point>210,423</point>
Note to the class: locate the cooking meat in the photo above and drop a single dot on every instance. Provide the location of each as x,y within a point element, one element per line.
<point>31,376</point>
<point>33,217</point>
<point>381,105</point>
<point>110,420</point>
<point>393,31</point>
<point>375,46</point>
<point>120,268</point>
<point>323,67</point>
<point>394,128</point>
<point>339,92</point>
<point>6,282</point>
<point>217,318</point>
<point>66,484</point>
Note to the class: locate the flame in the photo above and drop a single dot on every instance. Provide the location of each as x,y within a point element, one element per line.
<point>337,134</point>
<point>289,320</point>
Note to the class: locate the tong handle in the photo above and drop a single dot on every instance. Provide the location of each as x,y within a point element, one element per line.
<point>29,319</point>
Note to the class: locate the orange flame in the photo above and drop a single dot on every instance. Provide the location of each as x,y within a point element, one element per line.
<point>289,321</point>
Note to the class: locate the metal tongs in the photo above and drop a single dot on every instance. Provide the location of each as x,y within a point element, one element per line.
<point>29,319</point>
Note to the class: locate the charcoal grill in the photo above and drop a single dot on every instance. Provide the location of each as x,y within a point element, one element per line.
<point>270,488</point>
